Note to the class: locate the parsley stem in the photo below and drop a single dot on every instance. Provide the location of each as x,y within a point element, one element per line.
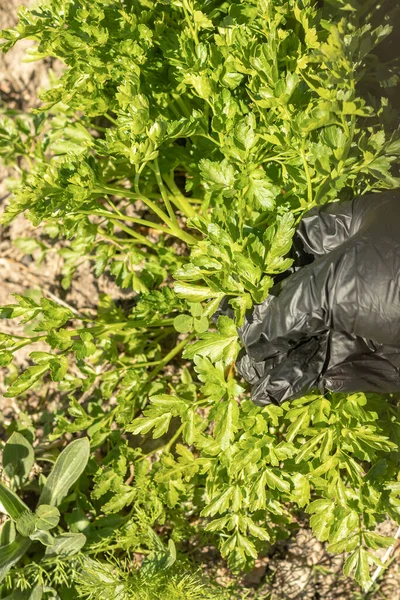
<point>173,226</point>
<point>131,232</point>
<point>28,342</point>
<point>118,191</point>
<point>122,217</point>
<point>308,177</point>
<point>110,118</point>
<point>164,193</point>
<point>117,241</point>
<point>162,364</point>
<point>208,137</point>
<point>135,324</point>
<point>165,448</point>
<point>36,338</point>
<point>141,323</point>
<point>181,103</point>
<point>188,20</point>
<point>179,199</point>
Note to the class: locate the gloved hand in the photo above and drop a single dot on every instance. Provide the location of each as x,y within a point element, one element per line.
<point>335,324</point>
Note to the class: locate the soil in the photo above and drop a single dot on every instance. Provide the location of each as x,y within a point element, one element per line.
<point>298,568</point>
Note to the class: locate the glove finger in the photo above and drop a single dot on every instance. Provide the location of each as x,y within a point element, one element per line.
<point>294,376</point>
<point>326,227</point>
<point>253,371</point>
<point>368,373</point>
<point>302,310</point>
<point>321,230</point>
<point>354,289</point>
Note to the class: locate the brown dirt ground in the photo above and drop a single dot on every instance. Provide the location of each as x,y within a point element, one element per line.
<point>297,569</point>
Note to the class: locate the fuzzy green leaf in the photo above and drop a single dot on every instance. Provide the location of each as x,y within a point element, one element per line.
<point>67,469</point>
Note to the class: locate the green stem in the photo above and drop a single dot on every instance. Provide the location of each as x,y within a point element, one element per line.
<point>164,193</point>
<point>97,128</point>
<point>308,177</point>
<point>166,447</point>
<point>171,442</point>
<point>39,338</point>
<point>122,217</point>
<point>24,337</point>
<point>115,239</point>
<point>191,200</point>
<point>115,208</point>
<point>133,233</point>
<point>173,226</point>
<point>163,363</point>
<point>189,22</point>
<point>164,333</point>
<point>140,365</point>
<point>110,118</point>
<point>179,199</point>
<point>117,191</point>
<point>208,137</point>
<point>182,105</point>
<point>135,324</point>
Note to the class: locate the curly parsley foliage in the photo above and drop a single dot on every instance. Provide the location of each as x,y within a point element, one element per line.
<point>185,139</point>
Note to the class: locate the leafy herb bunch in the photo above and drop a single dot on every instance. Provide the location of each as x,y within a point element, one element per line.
<point>176,153</point>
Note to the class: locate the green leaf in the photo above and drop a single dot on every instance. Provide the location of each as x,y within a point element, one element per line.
<point>58,368</point>
<point>11,554</point>
<point>360,564</point>
<point>201,325</point>
<point>35,593</point>
<point>201,20</point>
<point>60,339</point>
<point>26,523</point>
<point>11,504</point>
<point>375,540</point>
<point>195,293</point>
<point>161,559</point>
<point>7,533</point>
<point>279,239</point>
<point>215,386</point>
<point>85,347</point>
<point>26,308</point>
<point>321,521</point>
<point>219,504</point>
<point>68,468</point>
<point>18,458</point>
<point>66,545</point>
<point>189,426</point>
<point>54,315</point>
<point>160,425</point>
<point>301,490</point>
<point>275,482</point>
<point>247,546</point>
<point>217,524</point>
<point>217,346</point>
<point>26,380</point>
<point>227,423</point>
<point>220,175</point>
<point>42,536</point>
<point>183,323</point>
<point>258,497</point>
<point>257,531</point>
<point>47,517</point>
<point>201,84</point>
<point>262,193</point>
<point>6,358</point>
<point>309,448</point>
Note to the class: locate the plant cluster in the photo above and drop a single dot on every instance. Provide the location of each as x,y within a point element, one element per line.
<point>176,153</point>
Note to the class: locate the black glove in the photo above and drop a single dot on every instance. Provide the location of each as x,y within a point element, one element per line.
<point>335,324</point>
